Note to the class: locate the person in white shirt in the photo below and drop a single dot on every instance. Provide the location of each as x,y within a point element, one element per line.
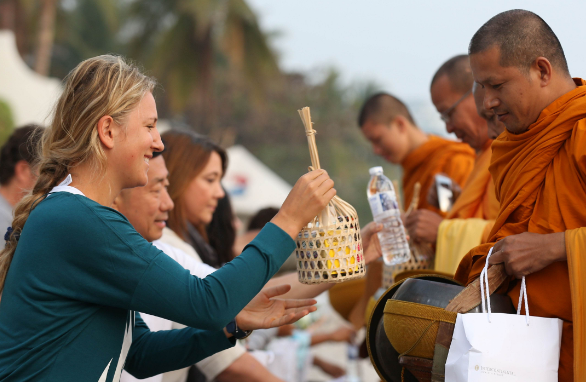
<point>147,209</point>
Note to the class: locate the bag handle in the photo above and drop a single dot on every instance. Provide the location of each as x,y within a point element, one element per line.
<point>486,300</point>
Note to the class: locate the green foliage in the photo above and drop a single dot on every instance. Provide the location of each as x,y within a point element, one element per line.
<point>6,122</point>
<point>86,29</point>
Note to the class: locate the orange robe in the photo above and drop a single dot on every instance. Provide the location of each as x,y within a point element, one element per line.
<point>469,222</point>
<point>478,198</point>
<point>437,155</point>
<point>540,180</point>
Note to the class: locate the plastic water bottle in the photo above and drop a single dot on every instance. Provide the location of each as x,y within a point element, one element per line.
<point>385,211</point>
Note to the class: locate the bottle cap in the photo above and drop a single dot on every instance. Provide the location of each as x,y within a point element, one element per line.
<point>376,170</point>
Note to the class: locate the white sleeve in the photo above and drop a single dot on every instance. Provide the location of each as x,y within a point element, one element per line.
<point>200,270</point>
<point>215,364</point>
<point>212,366</point>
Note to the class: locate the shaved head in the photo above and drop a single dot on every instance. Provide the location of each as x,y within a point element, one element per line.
<point>383,108</point>
<point>459,74</point>
<point>521,36</point>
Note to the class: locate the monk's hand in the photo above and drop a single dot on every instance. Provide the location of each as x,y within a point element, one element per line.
<point>432,198</point>
<point>265,311</point>
<point>370,242</point>
<point>423,225</point>
<point>529,252</point>
<point>310,195</point>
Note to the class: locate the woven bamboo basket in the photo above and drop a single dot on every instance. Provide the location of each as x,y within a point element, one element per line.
<point>329,248</point>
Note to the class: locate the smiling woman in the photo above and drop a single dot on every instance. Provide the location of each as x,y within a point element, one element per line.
<point>74,275</point>
<point>196,166</point>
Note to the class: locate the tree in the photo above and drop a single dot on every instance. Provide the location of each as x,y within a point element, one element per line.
<point>189,43</point>
<point>46,36</point>
<point>6,122</point>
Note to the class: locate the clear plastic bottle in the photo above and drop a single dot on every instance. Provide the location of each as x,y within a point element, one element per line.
<point>385,210</point>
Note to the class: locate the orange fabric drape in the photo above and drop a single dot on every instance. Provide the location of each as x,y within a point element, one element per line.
<point>478,198</point>
<point>468,223</point>
<point>435,156</point>
<point>540,180</point>
<point>576,245</point>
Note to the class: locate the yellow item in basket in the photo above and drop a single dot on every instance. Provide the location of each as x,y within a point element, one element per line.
<point>336,264</point>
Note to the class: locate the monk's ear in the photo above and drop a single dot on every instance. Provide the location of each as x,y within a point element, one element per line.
<point>106,131</point>
<point>401,123</point>
<point>544,70</point>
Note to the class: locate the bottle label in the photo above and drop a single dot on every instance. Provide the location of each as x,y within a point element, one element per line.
<point>383,204</point>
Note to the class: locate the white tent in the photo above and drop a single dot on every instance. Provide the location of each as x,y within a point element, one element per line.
<point>251,184</point>
<point>29,95</point>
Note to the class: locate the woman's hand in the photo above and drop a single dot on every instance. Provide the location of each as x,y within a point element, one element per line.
<point>310,195</point>
<point>370,243</point>
<point>265,312</point>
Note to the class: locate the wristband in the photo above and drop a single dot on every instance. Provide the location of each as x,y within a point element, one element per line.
<point>238,333</point>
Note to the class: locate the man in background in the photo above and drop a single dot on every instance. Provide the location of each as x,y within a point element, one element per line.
<point>469,221</point>
<point>389,126</point>
<point>387,123</point>
<point>147,209</point>
<point>17,175</point>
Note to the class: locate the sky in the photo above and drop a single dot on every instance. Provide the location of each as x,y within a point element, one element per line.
<point>400,44</point>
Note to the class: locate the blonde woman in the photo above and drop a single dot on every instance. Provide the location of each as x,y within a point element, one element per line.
<point>74,270</point>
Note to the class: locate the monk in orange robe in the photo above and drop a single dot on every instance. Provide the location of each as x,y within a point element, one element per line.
<point>386,122</point>
<point>539,168</point>
<point>476,208</point>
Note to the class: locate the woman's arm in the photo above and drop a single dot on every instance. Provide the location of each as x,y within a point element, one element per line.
<point>153,353</point>
<point>167,290</point>
<point>104,261</point>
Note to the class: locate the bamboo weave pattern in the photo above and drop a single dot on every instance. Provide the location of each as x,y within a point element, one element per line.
<point>329,248</point>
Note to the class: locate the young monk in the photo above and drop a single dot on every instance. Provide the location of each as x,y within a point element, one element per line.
<point>470,219</point>
<point>74,271</point>
<point>386,122</point>
<point>539,168</point>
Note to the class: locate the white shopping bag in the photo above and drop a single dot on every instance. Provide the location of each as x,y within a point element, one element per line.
<point>489,347</point>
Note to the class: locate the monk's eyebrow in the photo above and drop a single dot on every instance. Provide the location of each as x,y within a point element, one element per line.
<point>488,80</point>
